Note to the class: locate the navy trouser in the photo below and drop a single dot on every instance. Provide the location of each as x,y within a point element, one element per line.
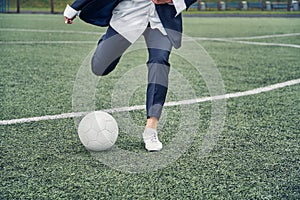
<point>110,49</point>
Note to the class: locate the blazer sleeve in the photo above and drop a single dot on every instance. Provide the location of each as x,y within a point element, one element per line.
<point>79,4</point>
<point>96,12</point>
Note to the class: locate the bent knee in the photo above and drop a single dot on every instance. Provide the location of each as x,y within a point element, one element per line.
<point>159,56</point>
<point>96,68</point>
<point>102,69</point>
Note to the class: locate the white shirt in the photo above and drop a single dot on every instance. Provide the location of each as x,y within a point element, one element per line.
<point>131,17</point>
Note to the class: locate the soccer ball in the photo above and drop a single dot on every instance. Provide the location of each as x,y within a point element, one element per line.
<point>98,131</point>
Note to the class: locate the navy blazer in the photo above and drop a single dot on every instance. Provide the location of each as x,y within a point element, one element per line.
<point>99,12</point>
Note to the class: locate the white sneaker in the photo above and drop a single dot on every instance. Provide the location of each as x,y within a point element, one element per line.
<point>151,140</point>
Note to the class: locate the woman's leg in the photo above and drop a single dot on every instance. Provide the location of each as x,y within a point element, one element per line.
<point>159,48</point>
<point>108,53</point>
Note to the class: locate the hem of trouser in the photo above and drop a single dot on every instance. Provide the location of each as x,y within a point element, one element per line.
<point>155,111</point>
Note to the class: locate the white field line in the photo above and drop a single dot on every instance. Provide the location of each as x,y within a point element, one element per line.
<point>238,40</point>
<point>168,104</point>
<point>268,44</point>
<point>258,43</point>
<point>229,39</point>
<point>198,38</point>
<point>95,42</point>
<point>47,42</point>
<point>244,42</point>
<point>249,38</point>
<point>49,31</point>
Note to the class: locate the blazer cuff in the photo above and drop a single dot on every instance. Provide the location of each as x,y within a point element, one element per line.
<point>179,6</point>
<point>70,12</point>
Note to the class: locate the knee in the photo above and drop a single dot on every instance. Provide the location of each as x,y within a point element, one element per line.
<point>159,57</point>
<point>102,69</point>
<point>98,71</point>
<point>96,68</point>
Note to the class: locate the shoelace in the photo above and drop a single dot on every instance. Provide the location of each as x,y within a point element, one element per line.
<point>154,138</point>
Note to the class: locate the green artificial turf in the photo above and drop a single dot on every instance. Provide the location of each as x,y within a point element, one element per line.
<point>255,156</point>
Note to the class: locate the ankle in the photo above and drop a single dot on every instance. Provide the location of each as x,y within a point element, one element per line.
<point>152,122</point>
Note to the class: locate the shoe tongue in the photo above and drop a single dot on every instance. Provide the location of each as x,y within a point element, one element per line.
<point>150,131</point>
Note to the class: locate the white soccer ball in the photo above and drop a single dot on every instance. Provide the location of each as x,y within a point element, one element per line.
<point>98,131</point>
